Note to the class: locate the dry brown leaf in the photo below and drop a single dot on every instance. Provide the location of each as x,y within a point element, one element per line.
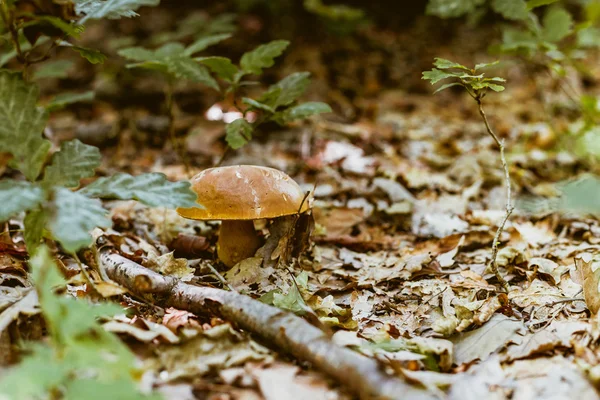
<point>590,271</point>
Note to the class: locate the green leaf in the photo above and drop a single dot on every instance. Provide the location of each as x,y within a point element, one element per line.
<point>257,105</point>
<point>221,66</point>
<point>486,65</point>
<point>588,37</point>
<point>238,133</point>
<point>452,8</point>
<point>111,9</point>
<point>305,110</point>
<point>287,90</point>
<point>68,28</point>
<point>447,64</point>
<point>66,98</point>
<point>137,54</point>
<point>72,163</point>
<point>169,50</point>
<point>204,42</point>
<point>516,39</point>
<point>122,389</point>
<point>339,13</point>
<point>495,88</point>
<point>531,4</point>
<point>75,215</point>
<point>446,86</point>
<point>159,66</point>
<point>558,24</point>
<point>18,382</point>
<point>34,224</point>
<point>511,9</point>
<point>579,195</point>
<point>93,56</point>
<point>53,69</point>
<point>151,189</point>
<point>263,56</point>
<point>187,68</point>
<point>435,75</point>
<point>18,196</point>
<point>22,124</point>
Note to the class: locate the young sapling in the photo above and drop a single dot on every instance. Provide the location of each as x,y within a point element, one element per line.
<point>477,86</point>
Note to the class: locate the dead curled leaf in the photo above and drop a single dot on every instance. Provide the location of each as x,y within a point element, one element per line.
<point>590,271</point>
<point>559,333</point>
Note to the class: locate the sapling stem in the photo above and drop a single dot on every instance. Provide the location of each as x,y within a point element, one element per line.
<point>170,104</point>
<point>509,205</point>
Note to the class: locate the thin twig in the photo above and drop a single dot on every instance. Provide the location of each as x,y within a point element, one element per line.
<point>509,205</point>
<point>220,277</point>
<point>86,276</point>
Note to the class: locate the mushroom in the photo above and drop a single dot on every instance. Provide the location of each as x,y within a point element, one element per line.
<point>237,195</point>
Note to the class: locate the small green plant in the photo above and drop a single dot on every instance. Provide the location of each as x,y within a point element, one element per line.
<point>30,32</point>
<point>277,104</point>
<point>509,9</point>
<point>35,29</point>
<point>81,360</point>
<point>477,86</point>
<point>51,206</point>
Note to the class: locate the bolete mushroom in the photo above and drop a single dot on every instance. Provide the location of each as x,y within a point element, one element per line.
<point>237,195</point>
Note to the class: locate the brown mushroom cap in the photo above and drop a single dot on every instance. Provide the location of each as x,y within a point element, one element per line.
<point>244,192</point>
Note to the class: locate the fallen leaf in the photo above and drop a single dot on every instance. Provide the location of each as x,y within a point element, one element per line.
<point>478,344</point>
<point>590,271</point>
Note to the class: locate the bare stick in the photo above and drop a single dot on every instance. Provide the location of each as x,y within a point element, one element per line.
<point>509,205</point>
<point>277,328</point>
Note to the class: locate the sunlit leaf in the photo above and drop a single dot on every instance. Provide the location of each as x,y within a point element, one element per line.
<point>442,63</point>
<point>112,9</point>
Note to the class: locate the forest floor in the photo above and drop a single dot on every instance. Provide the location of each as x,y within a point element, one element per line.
<point>408,194</point>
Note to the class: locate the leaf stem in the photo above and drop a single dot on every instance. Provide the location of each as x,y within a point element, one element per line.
<point>170,104</point>
<point>509,205</point>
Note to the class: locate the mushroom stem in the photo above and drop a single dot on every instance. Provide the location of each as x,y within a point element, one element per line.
<point>237,241</point>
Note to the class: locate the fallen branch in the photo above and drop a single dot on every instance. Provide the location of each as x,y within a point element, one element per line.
<point>280,329</point>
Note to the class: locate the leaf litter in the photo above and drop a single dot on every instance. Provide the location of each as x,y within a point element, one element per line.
<point>405,211</point>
